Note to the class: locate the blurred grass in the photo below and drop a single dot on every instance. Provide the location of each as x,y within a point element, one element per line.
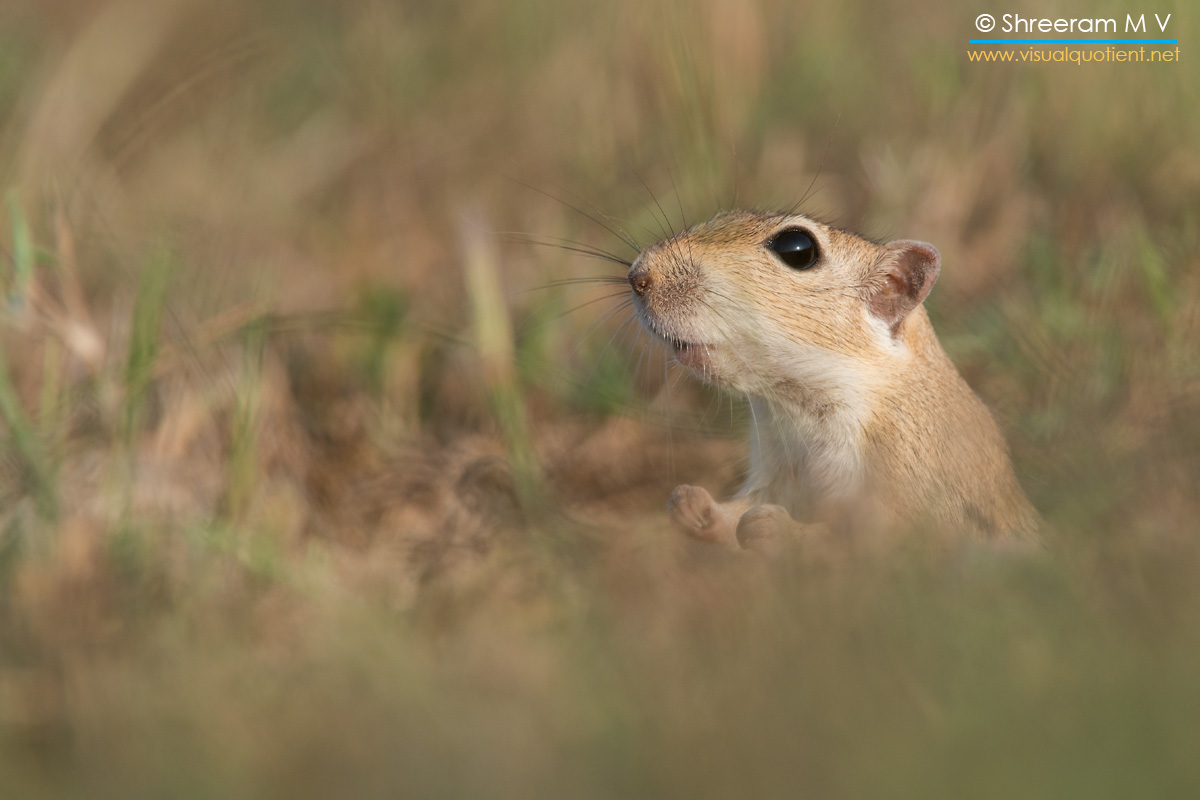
<point>276,475</point>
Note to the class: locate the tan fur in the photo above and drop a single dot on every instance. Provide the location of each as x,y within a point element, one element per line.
<point>859,418</point>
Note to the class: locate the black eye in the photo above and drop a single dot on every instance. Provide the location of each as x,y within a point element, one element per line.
<point>795,248</point>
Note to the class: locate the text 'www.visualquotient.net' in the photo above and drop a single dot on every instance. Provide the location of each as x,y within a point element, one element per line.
<point>1075,55</point>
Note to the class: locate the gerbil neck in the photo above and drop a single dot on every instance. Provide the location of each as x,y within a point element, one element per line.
<point>928,361</point>
<point>807,413</point>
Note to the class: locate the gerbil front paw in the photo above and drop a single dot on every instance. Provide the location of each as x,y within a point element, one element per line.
<point>693,509</point>
<point>766,529</point>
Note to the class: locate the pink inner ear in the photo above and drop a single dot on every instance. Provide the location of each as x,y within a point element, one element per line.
<point>910,269</point>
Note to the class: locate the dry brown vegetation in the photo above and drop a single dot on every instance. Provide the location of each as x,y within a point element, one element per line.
<point>312,482</point>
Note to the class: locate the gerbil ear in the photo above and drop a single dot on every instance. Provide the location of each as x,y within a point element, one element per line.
<point>901,279</point>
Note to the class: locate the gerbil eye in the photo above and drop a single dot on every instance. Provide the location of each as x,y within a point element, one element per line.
<point>795,248</point>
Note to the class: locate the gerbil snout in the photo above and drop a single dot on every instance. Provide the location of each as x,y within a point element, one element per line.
<point>664,280</point>
<point>640,278</point>
<point>665,288</point>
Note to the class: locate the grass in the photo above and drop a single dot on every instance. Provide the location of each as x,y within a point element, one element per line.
<point>307,489</point>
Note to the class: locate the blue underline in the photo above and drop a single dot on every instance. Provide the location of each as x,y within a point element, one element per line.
<point>1072,41</point>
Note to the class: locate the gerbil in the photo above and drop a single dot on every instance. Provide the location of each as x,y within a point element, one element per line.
<point>859,418</point>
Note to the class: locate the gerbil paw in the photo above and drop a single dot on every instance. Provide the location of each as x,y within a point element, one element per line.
<point>693,509</point>
<point>766,529</point>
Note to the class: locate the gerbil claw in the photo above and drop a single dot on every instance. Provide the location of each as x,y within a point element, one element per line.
<point>697,514</point>
<point>691,507</point>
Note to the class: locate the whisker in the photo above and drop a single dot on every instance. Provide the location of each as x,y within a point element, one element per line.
<point>581,290</point>
<point>597,280</point>
<point>615,222</point>
<point>620,234</point>
<point>565,244</point>
<point>595,324</point>
<point>613,338</point>
<point>536,312</point>
<point>670,426</point>
<point>602,256</point>
<point>665,219</point>
<point>591,302</point>
<point>641,359</point>
<point>733,149</point>
<point>541,323</point>
<point>820,167</point>
<point>678,199</point>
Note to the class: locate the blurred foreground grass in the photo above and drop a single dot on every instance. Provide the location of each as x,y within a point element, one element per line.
<point>302,492</point>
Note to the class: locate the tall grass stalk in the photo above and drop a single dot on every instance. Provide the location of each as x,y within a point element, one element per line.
<point>493,333</point>
<point>37,467</point>
<point>144,339</point>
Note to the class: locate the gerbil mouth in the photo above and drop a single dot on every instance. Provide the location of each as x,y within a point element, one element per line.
<point>692,354</point>
<point>696,355</point>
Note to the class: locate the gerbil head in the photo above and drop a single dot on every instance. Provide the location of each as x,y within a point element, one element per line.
<point>780,305</point>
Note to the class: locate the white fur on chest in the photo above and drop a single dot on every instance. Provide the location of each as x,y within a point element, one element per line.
<point>798,459</point>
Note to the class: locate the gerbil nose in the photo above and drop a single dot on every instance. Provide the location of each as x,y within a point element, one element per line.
<point>640,280</point>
